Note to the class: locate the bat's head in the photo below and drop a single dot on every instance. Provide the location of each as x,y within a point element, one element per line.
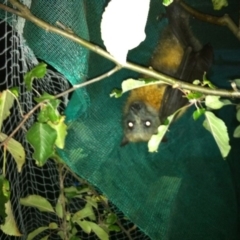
<point>140,122</point>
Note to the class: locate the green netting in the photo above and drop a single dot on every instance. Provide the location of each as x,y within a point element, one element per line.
<point>186,190</point>
<point>66,56</point>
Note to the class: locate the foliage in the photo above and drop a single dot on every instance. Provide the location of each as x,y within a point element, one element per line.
<point>212,123</point>
<point>236,133</point>
<point>85,218</point>
<point>38,71</point>
<point>130,84</point>
<point>167,2</point>
<point>46,135</point>
<point>219,131</point>
<point>4,195</point>
<point>156,139</point>
<point>219,4</point>
<point>10,226</point>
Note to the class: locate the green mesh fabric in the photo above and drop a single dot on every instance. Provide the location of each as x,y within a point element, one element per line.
<point>66,56</point>
<point>186,190</point>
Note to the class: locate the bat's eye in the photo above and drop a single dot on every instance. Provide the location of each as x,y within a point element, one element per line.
<point>147,123</point>
<point>130,125</point>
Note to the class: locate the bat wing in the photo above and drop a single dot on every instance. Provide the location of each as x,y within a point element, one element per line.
<point>192,67</point>
<point>196,59</point>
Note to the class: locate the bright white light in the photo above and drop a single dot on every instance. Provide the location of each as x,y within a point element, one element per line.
<point>123,26</point>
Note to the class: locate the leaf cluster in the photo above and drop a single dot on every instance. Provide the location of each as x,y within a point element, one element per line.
<point>88,218</point>
<point>212,123</point>
<point>45,135</point>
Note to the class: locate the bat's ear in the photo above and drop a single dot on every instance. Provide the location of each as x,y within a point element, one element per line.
<point>124,142</point>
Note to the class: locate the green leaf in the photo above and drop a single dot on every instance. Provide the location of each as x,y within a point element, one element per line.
<point>44,97</point>
<point>6,103</point>
<point>10,227</point>
<point>131,84</point>
<point>198,113</point>
<point>38,71</point>
<point>36,232</point>
<point>87,211</point>
<point>74,231</point>
<point>61,130</point>
<point>219,4</point>
<point>237,81</point>
<point>75,238</point>
<point>28,79</point>
<point>196,82</point>
<point>70,192</point>
<point>6,188</point>
<point>43,116</point>
<point>117,93</point>
<point>194,95</point>
<point>156,139</point>
<point>61,234</point>
<point>88,226</point>
<point>84,225</point>
<point>46,237</point>
<point>42,137</point>
<point>166,122</point>
<point>167,2</point>
<point>14,91</point>
<point>114,228</point>
<point>59,209</point>
<point>226,102</point>
<point>53,225</point>
<point>100,198</point>
<point>208,83</point>
<point>4,195</point>
<point>41,203</point>
<point>83,189</point>
<point>99,231</point>
<point>213,102</point>
<point>16,150</point>
<point>49,112</point>
<point>236,132</point>
<point>92,202</point>
<point>238,113</point>
<point>53,113</point>
<point>148,80</point>
<point>219,131</point>
<point>111,218</point>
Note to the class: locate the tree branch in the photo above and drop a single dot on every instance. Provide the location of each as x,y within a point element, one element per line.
<point>10,10</point>
<point>103,202</point>
<point>222,21</point>
<point>30,113</point>
<point>62,201</point>
<point>84,84</point>
<point>25,13</point>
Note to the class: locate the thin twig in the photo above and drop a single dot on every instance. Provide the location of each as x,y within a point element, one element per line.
<point>225,20</point>
<point>26,116</point>
<point>127,232</point>
<point>25,13</point>
<point>62,201</point>
<point>10,10</point>
<point>94,80</point>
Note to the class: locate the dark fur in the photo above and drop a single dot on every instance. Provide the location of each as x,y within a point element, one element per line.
<point>179,54</point>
